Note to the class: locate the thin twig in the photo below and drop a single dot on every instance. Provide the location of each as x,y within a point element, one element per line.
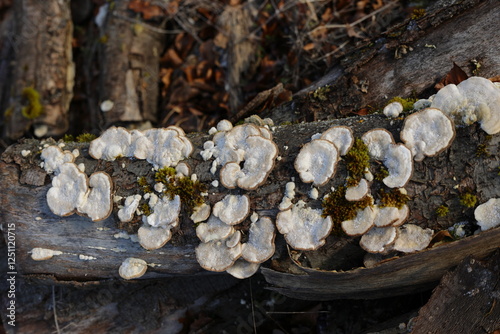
<point>54,309</point>
<point>253,310</point>
<point>297,312</point>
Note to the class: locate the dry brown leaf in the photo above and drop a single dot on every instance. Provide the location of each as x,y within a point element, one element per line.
<point>495,78</point>
<point>147,10</point>
<point>441,237</point>
<point>455,76</point>
<point>308,47</point>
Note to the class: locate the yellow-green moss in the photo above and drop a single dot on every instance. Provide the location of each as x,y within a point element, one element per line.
<point>321,93</point>
<point>393,197</point>
<point>381,174</point>
<point>417,13</point>
<point>468,200</point>
<point>339,209</point>
<point>188,190</point>
<point>67,138</point>
<point>144,184</point>
<point>8,112</point>
<point>406,103</point>
<point>145,208</point>
<point>34,107</point>
<point>442,211</point>
<point>85,137</point>
<point>357,160</point>
<point>482,151</point>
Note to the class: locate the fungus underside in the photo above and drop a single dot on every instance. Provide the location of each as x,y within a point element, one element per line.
<point>340,209</point>
<point>358,160</point>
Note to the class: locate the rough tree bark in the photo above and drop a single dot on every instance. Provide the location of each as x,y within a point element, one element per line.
<point>39,43</point>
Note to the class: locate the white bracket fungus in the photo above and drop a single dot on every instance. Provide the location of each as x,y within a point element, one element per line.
<point>152,238</point>
<point>377,141</point>
<point>393,109</point>
<point>132,268</point>
<point>474,99</point>
<point>378,239</point>
<point>303,227</point>
<point>427,133</point>
<point>217,255</point>
<point>213,229</point>
<point>356,193</point>
<point>316,162</point>
<point>399,163</point>
<point>260,245</point>
<point>242,269</point>
<point>53,157</point>
<point>245,143</point>
<point>341,136</point>
<point>233,209</point>
<point>113,143</point>
<point>201,213</point>
<point>391,216</point>
<point>165,212</point>
<point>68,190</point>
<point>363,221</point>
<point>98,203</point>
<point>488,214</point>
<point>40,254</point>
<point>412,238</point>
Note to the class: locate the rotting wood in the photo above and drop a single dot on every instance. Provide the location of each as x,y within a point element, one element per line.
<point>435,180</point>
<point>131,52</point>
<point>40,42</point>
<point>466,301</point>
<point>460,32</point>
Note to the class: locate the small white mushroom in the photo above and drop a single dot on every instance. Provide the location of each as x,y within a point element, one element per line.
<point>412,238</point>
<point>54,157</point>
<point>224,125</point>
<point>40,254</point>
<point>98,202</point>
<point>232,209</point>
<point>341,136</point>
<point>303,227</point>
<point>316,162</point>
<point>242,269</point>
<point>260,245</point>
<point>164,212</point>
<point>427,133</point>
<point>363,221</point>
<point>377,239</point>
<point>113,143</point>
<point>132,268</point>
<point>215,255</point>
<point>399,163</point>
<point>356,193</point>
<point>213,229</point>
<point>377,141</point>
<point>201,213</point>
<point>393,109</point>
<point>170,146</point>
<point>488,214</point>
<point>152,238</point>
<point>68,190</point>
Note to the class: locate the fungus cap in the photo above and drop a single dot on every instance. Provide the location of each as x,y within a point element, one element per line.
<point>98,203</point>
<point>242,269</point>
<point>316,162</point>
<point>152,238</point>
<point>377,239</point>
<point>213,229</point>
<point>68,190</point>
<point>386,216</point>
<point>164,212</point>
<point>356,193</point>
<point>399,163</point>
<point>40,254</point>
<point>113,143</point>
<point>427,133</point>
<point>132,268</point>
<point>201,213</point>
<point>377,141</point>
<point>393,109</point>
<point>260,244</point>
<point>412,238</point>
<point>53,157</point>
<point>215,255</point>
<point>341,136</point>
<point>232,209</point>
<point>361,223</point>
<point>303,227</point>
<point>488,214</point>
<point>170,146</point>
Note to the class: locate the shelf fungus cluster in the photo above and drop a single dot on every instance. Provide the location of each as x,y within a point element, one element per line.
<point>371,204</point>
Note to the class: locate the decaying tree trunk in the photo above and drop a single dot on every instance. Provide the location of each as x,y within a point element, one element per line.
<point>38,84</point>
<point>435,181</point>
<point>406,61</point>
<point>129,73</point>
